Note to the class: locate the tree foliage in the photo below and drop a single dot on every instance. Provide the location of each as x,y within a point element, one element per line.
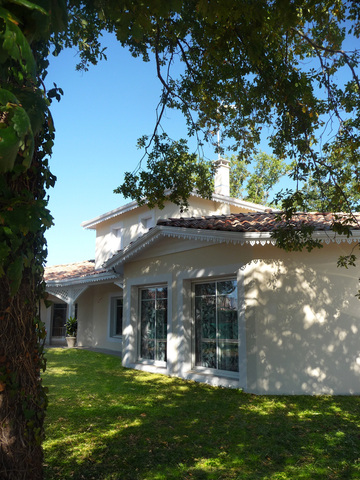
<point>287,69</point>
<point>281,67</point>
<point>172,173</point>
<point>255,185</point>
<point>338,190</point>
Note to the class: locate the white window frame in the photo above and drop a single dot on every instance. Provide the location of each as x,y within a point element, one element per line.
<point>66,308</point>
<point>184,312</point>
<point>199,368</point>
<point>147,361</point>
<point>131,325</point>
<point>112,318</point>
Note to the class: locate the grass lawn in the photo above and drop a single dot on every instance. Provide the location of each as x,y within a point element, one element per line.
<point>106,422</point>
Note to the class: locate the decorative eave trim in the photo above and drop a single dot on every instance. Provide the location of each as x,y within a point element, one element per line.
<point>68,294</point>
<point>213,236</point>
<point>86,280</point>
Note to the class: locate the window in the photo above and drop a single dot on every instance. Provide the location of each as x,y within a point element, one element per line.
<point>153,323</point>
<point>116,241</point>
<point>116,316</point>
<point>216,325</point>
<point>59,319</point>
<point>146,222</point>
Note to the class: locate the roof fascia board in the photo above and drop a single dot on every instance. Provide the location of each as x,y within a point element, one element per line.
<point>91,224</point>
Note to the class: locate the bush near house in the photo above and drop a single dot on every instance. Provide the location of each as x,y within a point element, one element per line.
<point>106,422</point>
<point>71,327</point>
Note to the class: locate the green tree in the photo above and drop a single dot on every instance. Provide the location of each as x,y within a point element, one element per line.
<point>255,185</point>
<point>26,138</point>
<point>334,187</point>
<point>276,63</point>
<point>27,30</point>
<point>280,65</point>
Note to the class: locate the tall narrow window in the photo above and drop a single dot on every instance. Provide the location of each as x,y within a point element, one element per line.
<point>153,323</point>
<point>216,325</point>
<point>59,320</point>
<point>116,316</point>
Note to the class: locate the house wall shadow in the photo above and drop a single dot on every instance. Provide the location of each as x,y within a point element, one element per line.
<point>302,325</point>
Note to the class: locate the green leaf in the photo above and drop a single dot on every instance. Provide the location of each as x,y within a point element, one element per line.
<point>16,135</point>
<point>9,147</point>
<point>35,104</point>
<point>16,45</point>
<point>30,5</point>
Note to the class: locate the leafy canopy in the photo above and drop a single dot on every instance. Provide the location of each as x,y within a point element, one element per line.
<point>284,70</point>
<point>255,185</point>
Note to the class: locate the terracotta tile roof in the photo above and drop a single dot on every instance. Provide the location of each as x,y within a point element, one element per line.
<point>71,270</point>
<point>255,222</point>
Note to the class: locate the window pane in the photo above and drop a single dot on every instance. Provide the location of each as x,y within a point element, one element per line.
<point>59,320</point>
<point>118,316</point>
<point>205,330</point>
<point>148,349</point>
<point>161,324</point>
<point>148,293</point>
<point>228,358</point>
<point>161,292</point>
<point>227,317</point>
<point>205,289</point>
<point>205,312</point>
<point>161,351</point>
<point>216,325</point>
<point>207,355</point>
<point>148,329</point>
<point>226,288</point>
<point>153,323</point>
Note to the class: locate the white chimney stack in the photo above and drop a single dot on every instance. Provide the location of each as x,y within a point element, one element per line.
<point>222,177</point>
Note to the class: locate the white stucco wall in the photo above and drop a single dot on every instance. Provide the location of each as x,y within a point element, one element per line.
<point>130,223</point>
<point>94,317</point>
<point>298,312</point>
<point>303,323</point>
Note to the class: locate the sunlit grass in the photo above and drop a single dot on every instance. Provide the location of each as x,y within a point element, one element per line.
<point>105,422</point>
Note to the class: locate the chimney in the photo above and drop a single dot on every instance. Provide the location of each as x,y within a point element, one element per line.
<point>222,177</point>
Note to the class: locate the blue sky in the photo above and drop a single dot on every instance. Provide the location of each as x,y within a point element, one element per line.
<point>98,121</point>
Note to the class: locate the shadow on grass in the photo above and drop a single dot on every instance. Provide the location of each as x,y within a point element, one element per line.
<point>106,422</point>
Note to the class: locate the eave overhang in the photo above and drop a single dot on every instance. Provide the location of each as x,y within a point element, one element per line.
<point>87,280</point>
<point>212,237</point>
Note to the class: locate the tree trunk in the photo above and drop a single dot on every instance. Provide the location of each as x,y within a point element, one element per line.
<point>22,397</point>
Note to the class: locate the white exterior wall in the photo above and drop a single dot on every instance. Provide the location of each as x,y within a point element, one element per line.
<point>299,321</point>
<point>130,223</point>
<point>94,317</point>
<point>303,323</point>
<point>177,271</point>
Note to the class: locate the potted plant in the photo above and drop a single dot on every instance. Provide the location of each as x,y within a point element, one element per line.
<point>71,331</point>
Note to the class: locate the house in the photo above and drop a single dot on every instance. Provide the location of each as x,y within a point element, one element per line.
<point>209,297</point>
